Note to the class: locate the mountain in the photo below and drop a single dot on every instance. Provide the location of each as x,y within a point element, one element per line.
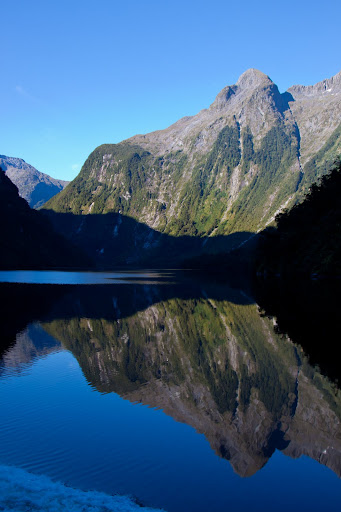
<point>229,169</point>
<point>28,239</point>
<point>34,186</point>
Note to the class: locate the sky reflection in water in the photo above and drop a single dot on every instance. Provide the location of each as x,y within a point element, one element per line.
<point>156,394</point>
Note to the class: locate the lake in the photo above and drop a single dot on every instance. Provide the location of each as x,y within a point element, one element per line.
<point>168,391</point>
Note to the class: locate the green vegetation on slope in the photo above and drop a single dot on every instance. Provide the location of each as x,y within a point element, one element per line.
<point>97,190</point>
<point>270,185</point>
<point>236,187</point>
<point>248,149</point>
<point>177,338</point>
<point>201,201</point>
<point>182,194</point>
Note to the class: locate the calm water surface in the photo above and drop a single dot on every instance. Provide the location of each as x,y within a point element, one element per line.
<point>77,278</point>
<point>181,395</point>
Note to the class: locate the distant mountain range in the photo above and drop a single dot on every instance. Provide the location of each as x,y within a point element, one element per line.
<point>212,180</point>
<point>34,186</point>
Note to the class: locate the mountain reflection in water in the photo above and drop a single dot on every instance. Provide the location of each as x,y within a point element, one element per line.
<point>203,354</point>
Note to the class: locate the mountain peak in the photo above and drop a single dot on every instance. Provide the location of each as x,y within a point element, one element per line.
<point>252,78</point>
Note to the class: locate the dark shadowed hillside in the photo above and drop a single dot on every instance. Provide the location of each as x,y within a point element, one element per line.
<point>307,238</point>
<point>27,237</point>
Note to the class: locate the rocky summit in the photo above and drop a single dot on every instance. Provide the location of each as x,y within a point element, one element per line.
<point>207,183</point>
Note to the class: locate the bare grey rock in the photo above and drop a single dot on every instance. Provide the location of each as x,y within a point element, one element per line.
<point>317,111</point>
<point>251,102</point>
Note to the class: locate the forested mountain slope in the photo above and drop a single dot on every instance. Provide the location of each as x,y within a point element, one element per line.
<point>231,168</point>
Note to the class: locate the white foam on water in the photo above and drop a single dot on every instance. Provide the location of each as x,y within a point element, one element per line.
<point>21,491</point>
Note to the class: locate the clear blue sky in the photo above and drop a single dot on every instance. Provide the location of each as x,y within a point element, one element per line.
<point>77,74</point>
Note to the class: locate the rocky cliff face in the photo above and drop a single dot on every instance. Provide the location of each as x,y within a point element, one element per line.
<point>34,186</point>
<point>316,109</point>
<point>228,169</point>
<point>219,367</point>
<point>253,102</point>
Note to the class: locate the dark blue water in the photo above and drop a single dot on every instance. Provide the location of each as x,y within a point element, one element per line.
<point>152,423</point>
